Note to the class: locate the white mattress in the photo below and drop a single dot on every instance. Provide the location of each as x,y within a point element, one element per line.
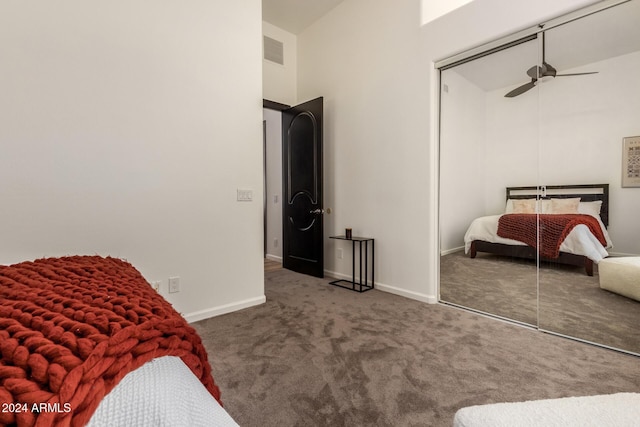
<point>580,240</point>
<point>162,392</point>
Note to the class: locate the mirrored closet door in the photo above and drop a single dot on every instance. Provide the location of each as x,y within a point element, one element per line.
<point>531,141</point>
<point>487,145</point>
<point>583,121</point>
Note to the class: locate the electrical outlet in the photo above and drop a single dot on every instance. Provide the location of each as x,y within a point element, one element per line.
<point>174,284</point>
<point>156,285</point>
<point>339,253</point>
<point>275,243</point>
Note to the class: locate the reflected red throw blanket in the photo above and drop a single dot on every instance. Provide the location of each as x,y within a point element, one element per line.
<point>553,230</point>
<point>71,328</point>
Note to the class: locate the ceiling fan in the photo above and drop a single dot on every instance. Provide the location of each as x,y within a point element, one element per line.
<point>537,72</point>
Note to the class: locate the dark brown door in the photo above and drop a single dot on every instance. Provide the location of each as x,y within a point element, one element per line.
<point>302,247</point>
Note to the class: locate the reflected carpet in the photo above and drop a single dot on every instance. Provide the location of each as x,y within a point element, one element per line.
<point>570,302</point>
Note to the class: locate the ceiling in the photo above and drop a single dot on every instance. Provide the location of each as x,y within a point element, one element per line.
<point>610,33</point>
<point>607,34</point>
<point>295,15</point>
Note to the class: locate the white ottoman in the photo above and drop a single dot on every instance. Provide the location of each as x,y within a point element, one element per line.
<point>620,410</point>
<point>621,275</point>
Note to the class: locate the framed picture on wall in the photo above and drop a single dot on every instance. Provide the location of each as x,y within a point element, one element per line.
<point>631,161</point>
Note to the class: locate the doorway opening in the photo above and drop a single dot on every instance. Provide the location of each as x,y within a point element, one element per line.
<point>272,170</point>
<point>294,185</point>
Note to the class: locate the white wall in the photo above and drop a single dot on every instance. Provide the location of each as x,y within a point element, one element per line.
<point>274,183</point>
<point>280,81</point>
<point>365,58</point>
<point>512,157</point>
<point>279,85</point>
<point>374,66</point>
<point>126,128</point>
<point>463,175</point>
<point>582,122</point>
<point>433,9</point>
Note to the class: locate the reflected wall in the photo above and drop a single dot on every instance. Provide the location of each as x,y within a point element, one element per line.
<point>483,150</point>
<point>564,130</point>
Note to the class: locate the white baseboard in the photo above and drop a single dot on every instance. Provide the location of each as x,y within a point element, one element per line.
<point>338,275</point>
<point>223,309</point>
<point>621,254</point>
<point>430,299</point>
<point>274,258</point>
<point>451,251</point>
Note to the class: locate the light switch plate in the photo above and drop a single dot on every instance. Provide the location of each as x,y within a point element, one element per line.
<point>245,195</point>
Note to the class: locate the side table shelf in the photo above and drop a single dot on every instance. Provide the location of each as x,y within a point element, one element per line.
<point>362,285</point>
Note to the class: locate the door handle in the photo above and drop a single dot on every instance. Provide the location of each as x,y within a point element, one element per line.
<point>317,211</point>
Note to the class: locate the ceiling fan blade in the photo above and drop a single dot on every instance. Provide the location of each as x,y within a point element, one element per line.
<point>534,72</point>
<point>544,70</point>
<point>547,70</point>
<point>576,74</point>
<point>521,89</point>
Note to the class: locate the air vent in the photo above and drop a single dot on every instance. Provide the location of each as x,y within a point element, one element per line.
<point>273,50</point>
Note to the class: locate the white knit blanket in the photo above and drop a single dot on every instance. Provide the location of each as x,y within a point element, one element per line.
<point>612,410</point>
<point>161,393</point>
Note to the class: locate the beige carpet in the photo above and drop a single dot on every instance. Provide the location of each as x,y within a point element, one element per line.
<point>570,302</point>
<point>319,355</point>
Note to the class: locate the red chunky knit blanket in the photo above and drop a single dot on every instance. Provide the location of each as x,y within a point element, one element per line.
<point>553,230</point>
<point>71,328</point>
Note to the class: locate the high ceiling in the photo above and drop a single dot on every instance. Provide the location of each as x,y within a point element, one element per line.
<point>582,42</point>
<point>295,15</point>
<point>579,43</point>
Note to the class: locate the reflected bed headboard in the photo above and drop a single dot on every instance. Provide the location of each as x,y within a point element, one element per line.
<point>586,192</point>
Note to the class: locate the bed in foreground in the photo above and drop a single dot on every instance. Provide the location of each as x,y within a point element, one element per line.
<point>73,328</point>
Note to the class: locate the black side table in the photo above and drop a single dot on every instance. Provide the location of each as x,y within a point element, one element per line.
<point>362,285</point>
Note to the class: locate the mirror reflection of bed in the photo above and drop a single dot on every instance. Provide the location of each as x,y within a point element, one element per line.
<point>503,269</point>
<point>565,130</point>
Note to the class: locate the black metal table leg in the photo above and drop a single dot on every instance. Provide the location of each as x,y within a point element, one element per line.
<point>353,265</point>
<point>363,281</point>
<point>366,262</point>
<point>373,263</point>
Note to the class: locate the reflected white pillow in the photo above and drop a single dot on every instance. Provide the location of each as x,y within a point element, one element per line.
<point>565,206</point>
<point>510,207</point>
<point>590,208</point>
<point>545,206</point>
<point>524,206</point>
